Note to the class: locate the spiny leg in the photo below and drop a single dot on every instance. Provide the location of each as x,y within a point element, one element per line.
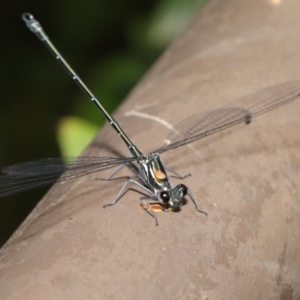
<point>189,192</point>
<point>178,175</point>
<point>148,208</point>
<point>112,175</point>
<point>121,192</point>
<point>155,207</point>
<point>132,168</point>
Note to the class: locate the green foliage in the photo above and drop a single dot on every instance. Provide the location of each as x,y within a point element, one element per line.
<point>74,134</point>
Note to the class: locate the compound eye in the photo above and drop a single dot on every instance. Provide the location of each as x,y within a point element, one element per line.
<point>165,197</point>
<point>184,189</point>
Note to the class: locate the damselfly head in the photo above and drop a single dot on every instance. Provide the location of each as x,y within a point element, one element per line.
<point>173,198</point>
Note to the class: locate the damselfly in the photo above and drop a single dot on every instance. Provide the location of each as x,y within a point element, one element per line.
<point>152,176</point>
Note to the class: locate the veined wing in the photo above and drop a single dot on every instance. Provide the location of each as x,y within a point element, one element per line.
<point>241,110</point>
<point>28,175</point>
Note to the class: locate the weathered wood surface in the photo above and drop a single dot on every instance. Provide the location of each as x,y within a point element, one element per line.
<point>246,178</point>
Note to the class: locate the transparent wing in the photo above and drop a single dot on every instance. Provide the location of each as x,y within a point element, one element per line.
<point>28,175</point>
<point>241,110</point>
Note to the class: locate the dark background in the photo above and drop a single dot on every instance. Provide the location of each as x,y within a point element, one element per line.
<point>110,44</point>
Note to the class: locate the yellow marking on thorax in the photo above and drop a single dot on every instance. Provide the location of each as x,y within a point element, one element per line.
<point>159,174</point>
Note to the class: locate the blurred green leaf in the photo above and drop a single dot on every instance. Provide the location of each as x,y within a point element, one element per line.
<point>167,20</point>
<point>74,135</point>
